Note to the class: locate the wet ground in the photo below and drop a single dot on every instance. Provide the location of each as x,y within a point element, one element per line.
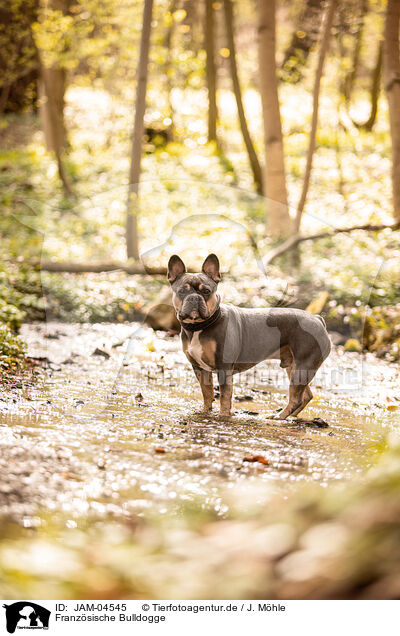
<point>110,426</point>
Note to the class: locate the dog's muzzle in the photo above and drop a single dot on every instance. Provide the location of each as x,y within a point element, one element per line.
<point>194,306</point>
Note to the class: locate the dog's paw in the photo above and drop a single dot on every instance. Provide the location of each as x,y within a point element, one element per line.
<point>273,416</point>
<point>204,409</point>
<point>280,417</point>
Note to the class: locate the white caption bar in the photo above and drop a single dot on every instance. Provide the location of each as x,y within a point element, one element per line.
<point>25,617</point>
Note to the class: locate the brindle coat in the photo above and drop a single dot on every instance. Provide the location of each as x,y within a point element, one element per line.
<point>241,338</point>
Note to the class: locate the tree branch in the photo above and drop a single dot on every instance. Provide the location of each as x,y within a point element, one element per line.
<point>293,241</point>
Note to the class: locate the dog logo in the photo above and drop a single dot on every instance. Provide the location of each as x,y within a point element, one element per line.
<point>26,615</point>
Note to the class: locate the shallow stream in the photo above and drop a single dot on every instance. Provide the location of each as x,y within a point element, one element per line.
<point>110,426</point>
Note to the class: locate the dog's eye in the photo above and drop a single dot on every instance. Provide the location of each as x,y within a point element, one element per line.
<point>206,291</point>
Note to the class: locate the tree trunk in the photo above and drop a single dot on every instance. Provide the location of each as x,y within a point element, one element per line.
<point>253,159</point>
<point>330,12</point>
<point>52,122</point>
<point>211,73</point>
<point>391,66</point>
<point>54,131</point>
<point>304,38</point>
<point>194,20</point>
<point>168,67</point>
<point>374,92</point>
<point>375,89</point>
<point>132,242</point>
<point>5,91</point>
<point>278,222</point>
<point>51,89</point>
<point>358,37</point>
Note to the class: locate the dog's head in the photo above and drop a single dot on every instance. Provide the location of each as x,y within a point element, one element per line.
<point>194,295</point>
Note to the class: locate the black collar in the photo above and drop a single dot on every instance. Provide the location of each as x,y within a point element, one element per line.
<point>204,324</point>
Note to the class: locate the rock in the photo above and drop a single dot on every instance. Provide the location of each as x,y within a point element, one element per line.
<point>100,352</point>
<point>161,314</point>
<point>337,338</point>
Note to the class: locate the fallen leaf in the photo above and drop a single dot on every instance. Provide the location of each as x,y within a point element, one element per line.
<point>256,458</point>
<point>68,475</point>
<point>159,449</point>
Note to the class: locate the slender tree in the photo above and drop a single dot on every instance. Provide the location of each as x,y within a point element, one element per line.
<point>304,38</point>
<point>374,92</point>
<point>52,116</point>
<point>326,30</point>
<point>51,89</point>
<point>358,38</point>
<point>278,222</point>
<point>253,159</point>
<point>168,66</point>
<point>51,98</point>
<point>132,240</point>
<point>211,71</point>
<point>391,69</point>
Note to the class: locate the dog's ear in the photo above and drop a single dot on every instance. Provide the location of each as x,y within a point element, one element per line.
<point>176,267</point>
<point>211,267</point>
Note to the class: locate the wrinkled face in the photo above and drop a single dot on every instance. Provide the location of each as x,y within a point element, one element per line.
<point>194,297</point>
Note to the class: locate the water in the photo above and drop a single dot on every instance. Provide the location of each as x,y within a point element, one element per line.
<point>97,435</point>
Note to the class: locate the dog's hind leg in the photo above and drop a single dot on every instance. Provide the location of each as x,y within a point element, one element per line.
<point>295,404</point>
<point>307,397</point>
<point>300,394</point>
<point>307,393</point>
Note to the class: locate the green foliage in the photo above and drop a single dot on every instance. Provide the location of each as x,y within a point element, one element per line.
<point>107,298</point>
<point>20,296</point>
<point>353,345</point>
<point>12,350</point>
<point>17,51</point>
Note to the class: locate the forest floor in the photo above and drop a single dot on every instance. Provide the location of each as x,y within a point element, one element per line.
<point>107,436</point>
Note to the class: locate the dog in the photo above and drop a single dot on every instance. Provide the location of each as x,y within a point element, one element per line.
<point>224,339</point>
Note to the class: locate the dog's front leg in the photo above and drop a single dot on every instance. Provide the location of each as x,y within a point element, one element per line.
<point>206,384</point>
<point>225,381</point>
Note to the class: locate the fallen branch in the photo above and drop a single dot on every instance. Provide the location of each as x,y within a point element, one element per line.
<point>97,268</point>
<point>293,241</point>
